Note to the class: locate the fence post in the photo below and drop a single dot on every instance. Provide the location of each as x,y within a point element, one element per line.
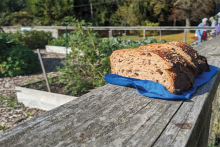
<point>184,37</point>
<point>110,34</point>
<point>160,35</point>
<point>125,33</point>
<point>66,43</point>
<point>144,34</point>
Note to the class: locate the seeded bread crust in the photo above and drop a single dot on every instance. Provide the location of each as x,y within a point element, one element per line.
<point>199,61</point>
<point>174,50</point>
<point>161,66</point>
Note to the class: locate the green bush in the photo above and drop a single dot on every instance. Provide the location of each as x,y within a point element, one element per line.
<point>148,23</point>
<point>6,42</point>
<point>15,59</point>
<point>16,19</point>
<point>32,39</point>
<point>92,56</point>
<point>61,41</point>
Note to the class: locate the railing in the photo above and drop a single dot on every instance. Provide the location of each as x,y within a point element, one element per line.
<point>111,28</point>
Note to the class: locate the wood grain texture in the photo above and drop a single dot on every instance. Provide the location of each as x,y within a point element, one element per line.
<point>195,111</point>
<point>109,116</point>
<point>119,116</point>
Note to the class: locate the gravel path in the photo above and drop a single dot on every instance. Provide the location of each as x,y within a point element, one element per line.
<point>18,113</point>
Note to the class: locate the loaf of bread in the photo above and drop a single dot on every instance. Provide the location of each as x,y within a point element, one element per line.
<point>166,64</point>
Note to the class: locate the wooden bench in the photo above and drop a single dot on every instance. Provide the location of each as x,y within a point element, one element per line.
<point>119,116</point>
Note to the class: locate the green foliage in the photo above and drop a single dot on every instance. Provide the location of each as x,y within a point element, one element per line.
<point>6,42</point>
<point>4,127</point>
<point>11,101</point>
<point>50,11</point>
<point>126,15</point>
<point>42,84</point>
<point>61,41</point>
<point>148,23</point>
<point>160,8</point>
<point>16,19</point>
<point>12,5</point>
<point>102,13</point>
<point>105,12</point>
<point>29,114</point>
<point>15,59</point>
<point>32,39</point>
<point>51,79</point>
<point>212,143</point>
<point>30,81</point>
<point>92,57</point>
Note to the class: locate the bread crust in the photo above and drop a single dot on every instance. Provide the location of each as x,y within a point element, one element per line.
<point>174,50</point>
<point>199,61</point>
<point>173,65</point>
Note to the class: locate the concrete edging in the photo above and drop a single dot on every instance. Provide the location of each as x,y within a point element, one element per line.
<point>57,49</point>
<point>41,99</point>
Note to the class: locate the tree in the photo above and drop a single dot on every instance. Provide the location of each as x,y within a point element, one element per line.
<point>191,10</point>
<point>160,9</point>
<point>103,10</point>
<point>12,5</point>
<point>51,11</point>
<point>125,16</point>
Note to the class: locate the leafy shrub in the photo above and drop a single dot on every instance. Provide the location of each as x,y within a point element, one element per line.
<point>16,19</point>
<point>148,23</point>
<point>92,56</point>
<point>6,42</point>
<point>15,59</point>
<point>61,41</point>
<point>32,39</point>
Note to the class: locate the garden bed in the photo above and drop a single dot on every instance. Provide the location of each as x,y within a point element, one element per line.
<point>55,87</point>
<point>36,95</point>
<point>13,113</point>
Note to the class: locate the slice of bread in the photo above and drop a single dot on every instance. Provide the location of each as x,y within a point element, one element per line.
<point>162,66</point>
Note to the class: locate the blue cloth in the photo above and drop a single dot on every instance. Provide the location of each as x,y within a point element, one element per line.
<point>200,32</point>
<point>156,90</point>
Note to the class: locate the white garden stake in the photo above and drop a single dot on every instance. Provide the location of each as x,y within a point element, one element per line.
<point>42,66</point>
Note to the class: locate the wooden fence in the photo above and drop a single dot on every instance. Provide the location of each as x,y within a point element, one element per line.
<point>112,28</point>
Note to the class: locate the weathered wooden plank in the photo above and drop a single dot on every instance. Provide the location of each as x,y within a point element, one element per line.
<point>115,118</point>
<point>194,113</point>
<point>210,47</point>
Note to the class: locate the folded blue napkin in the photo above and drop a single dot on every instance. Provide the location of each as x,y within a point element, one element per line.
<point>156,90</point>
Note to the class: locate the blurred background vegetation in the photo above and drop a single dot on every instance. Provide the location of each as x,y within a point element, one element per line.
<point>105,12</point>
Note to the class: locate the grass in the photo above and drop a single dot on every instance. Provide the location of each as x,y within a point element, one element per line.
<point>11,101</point>
<point>29,114</point>
<point>4,127</point>
<point>168,37</point>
